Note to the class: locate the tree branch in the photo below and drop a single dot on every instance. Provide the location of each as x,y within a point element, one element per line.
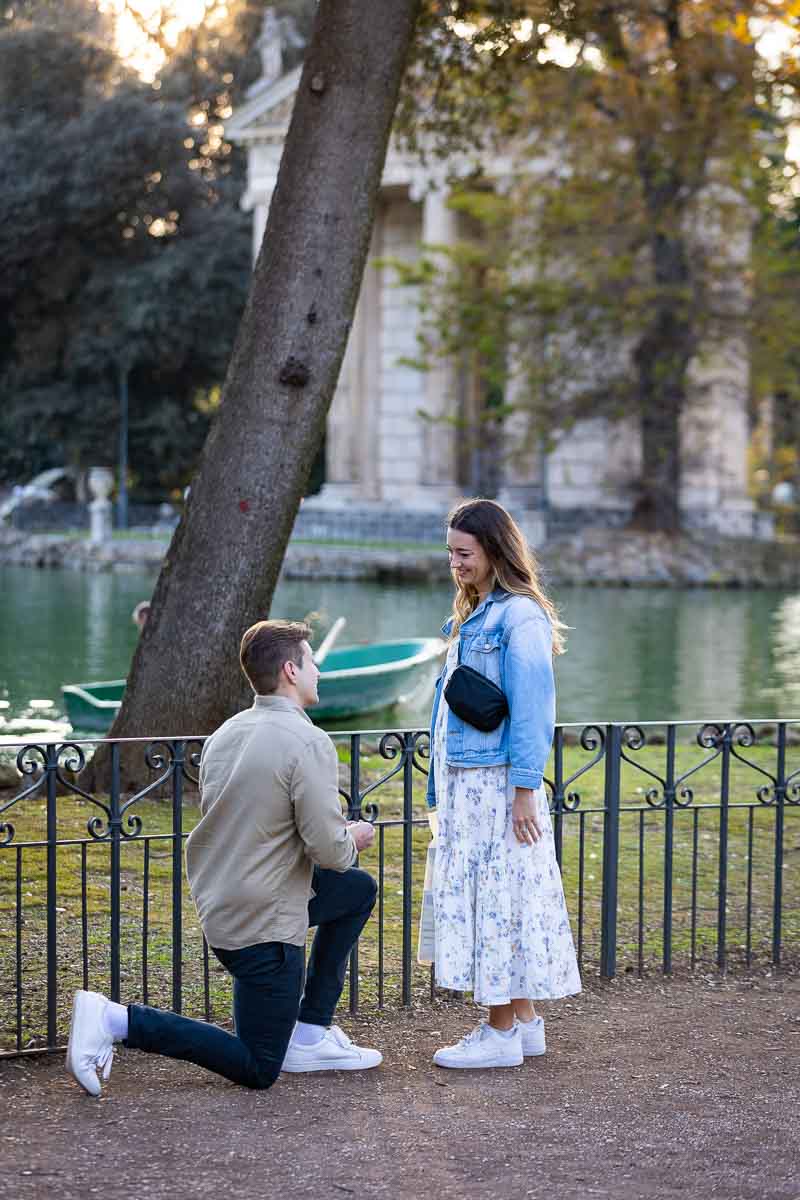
<point>157,34</point>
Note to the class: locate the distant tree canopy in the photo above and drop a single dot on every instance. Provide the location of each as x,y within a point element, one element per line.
<point>122,245</point>
<point>123,249</point>
<point>645,141</point>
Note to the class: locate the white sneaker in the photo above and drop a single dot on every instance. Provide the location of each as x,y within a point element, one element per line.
<point>532,1037</point>
<point>334,1052</point>
<point>483,1047</point>
<point>90,1045</point>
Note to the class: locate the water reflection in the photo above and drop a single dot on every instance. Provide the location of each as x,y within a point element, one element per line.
<point>620,660</point>
<point>675,655</point>
<point>633,655</point>
<point>709,640</point>
<point>786,654</point>
<point>374,612</point>
<point>98,615</point>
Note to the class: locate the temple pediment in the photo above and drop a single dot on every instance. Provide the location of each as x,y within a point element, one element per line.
<point>265,115</point>
<point>262,123</point>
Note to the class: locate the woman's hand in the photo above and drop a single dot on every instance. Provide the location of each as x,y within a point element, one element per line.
<point>524,821</point>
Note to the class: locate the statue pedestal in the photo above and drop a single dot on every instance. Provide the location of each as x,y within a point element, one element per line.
<point>101,483</point>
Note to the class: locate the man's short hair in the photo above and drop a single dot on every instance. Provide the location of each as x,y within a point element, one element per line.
<point>266,646</point>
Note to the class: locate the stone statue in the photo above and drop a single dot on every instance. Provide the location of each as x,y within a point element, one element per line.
<point>277,34</point>
<point>270,47</point>
<point>101,483</point>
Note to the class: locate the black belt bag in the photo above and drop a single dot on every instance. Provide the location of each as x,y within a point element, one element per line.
<point>475,699</point>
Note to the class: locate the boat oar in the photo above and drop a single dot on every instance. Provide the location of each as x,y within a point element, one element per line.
<point>330,637</point>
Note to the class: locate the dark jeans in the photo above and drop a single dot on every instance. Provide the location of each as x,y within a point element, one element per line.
<point>268,992</point>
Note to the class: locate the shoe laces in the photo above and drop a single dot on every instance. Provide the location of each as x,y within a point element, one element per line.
<point>479,1033</point>
<point>339,1036</point>
<point>475,1035</point>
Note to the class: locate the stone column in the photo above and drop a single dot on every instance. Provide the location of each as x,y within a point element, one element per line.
<point>263,164</point>
<point>715,431</point>
<point>715,438</point>
<point>260,213</point>
<point>524,463</point>
<point>366,367</point>
<point>351,443</point>
<point>439,467</point>
<point>524,467</point>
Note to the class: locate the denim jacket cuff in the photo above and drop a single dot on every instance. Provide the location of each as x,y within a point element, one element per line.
<point>520,777</point>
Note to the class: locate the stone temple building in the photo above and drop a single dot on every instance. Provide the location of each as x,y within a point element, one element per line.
<point>389,472</point>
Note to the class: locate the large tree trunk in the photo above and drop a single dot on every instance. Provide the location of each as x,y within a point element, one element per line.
<point>662,359</point>
<point>223,563</point>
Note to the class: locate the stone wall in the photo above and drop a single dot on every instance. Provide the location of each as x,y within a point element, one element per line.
<point>326,521</point>
<point>594,557</point>
<point>319,520</point>
<point>377,522</point>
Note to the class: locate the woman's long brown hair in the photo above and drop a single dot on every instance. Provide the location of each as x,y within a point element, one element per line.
<point>514,565</point>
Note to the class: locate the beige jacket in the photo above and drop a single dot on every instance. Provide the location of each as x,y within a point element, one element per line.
<point>270,810</point>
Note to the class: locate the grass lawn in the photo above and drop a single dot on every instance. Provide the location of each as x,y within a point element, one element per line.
<point>83,867</point>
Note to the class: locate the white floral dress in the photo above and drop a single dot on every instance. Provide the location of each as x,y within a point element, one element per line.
<point>502,929</point>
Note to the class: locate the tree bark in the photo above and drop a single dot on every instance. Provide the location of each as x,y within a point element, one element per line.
<point>662,359</point>
<point>223,563</point>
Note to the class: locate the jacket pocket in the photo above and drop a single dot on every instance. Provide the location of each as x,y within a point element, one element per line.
<point>484,655</point>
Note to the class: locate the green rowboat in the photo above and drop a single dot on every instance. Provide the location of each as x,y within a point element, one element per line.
<point>354,680</point>
<point>91,707</point>
<point>364,679</point>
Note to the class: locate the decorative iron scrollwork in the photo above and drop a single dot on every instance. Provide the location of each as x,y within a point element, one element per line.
<point>421,744</point>
<point>710,737</point>
<point>392,745</point>
<point>663,792</point>
<point>593,740</point>
<point>191,758</point>
<point>25,766</point>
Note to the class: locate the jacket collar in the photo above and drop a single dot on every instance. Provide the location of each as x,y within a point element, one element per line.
<point>495,596</point>
<point>279,704</point>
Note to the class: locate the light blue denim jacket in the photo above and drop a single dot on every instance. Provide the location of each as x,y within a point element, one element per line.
<point>509,639</point>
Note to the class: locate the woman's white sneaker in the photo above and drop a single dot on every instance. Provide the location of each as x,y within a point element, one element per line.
<point>483,1047</point>
<point>532,1037</point>
<point>334,1052</point>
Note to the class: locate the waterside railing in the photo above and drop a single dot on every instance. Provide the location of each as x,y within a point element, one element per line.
<point>679,845</point>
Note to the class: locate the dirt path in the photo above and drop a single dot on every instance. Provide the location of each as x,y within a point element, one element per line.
<point>649,1089</point>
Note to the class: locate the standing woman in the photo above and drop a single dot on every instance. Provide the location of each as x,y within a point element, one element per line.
<point>502,929</point>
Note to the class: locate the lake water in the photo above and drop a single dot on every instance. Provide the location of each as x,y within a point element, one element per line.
<point>633,654</point>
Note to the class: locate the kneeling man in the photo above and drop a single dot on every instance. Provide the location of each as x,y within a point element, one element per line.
<point>271,855</point>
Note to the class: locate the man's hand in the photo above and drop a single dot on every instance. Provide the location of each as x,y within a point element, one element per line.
<point>363,834</point>
<point>524,821</point>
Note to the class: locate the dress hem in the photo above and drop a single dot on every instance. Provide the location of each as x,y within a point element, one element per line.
<point>507,999</point>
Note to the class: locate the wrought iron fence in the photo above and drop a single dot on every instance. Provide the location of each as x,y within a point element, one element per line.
<point>679,844</point>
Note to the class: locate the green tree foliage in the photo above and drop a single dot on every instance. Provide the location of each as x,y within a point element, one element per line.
<point>614,254</point>
<point>122,244</point>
